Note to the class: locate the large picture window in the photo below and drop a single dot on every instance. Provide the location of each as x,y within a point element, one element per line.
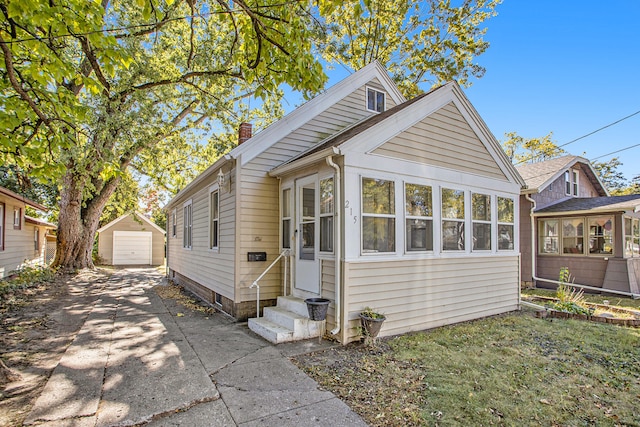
<point>481,220</point>
<point>326,215</point>
<point>378,215</point>
<point>187,224</point>
<point>418,217</point>
<point>453,219</point>
<point>214,222</point>
<point>505,224</point>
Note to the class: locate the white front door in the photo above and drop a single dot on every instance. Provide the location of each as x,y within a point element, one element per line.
<point>307,265</point>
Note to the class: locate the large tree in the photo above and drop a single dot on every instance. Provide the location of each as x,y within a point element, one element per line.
<point>530,150</point>
<point>90,88</point>
<point>421,42</point>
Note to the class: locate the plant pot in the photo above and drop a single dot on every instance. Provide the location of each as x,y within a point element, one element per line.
<point>371,326</point>
<point>317,308</point>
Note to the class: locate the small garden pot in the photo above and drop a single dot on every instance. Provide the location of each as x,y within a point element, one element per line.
<point>317,308</point>
<point>370,325</point>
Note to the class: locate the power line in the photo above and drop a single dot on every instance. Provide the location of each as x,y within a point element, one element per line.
<point>614,152</point>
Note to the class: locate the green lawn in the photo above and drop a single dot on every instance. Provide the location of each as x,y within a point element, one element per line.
<point>507,370</point>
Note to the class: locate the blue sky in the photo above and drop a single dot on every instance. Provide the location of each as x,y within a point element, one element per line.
<point>564,66</point>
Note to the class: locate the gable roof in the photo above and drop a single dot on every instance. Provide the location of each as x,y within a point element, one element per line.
<point>23,199</point>
<point>405,115</point>
<point>38,221</point>
<point>264,139</point>
<point>627,203</point>
<point>540,175</point>
<point>138,214</point>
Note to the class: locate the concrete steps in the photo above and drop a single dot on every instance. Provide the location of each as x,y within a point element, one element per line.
<point>287,321</point>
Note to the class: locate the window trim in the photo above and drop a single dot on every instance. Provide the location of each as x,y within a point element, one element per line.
<point>214,222</point>
<point>463,220</point>
<point>499,223</point>
<point>408,217</point>
<point>574,185</point>
<point>289,218</point>
<point>571,182</point>
<point>187,226</point>
<point>482,221</point>
<point>586,236</point>
<point>17,218</point>
<point>363,214</point>
<point>376,92</point>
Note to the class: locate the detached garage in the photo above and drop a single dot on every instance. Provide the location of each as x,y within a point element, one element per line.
<point>132,239</point>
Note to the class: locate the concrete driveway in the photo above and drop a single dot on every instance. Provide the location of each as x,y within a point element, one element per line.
<point>139,360</point>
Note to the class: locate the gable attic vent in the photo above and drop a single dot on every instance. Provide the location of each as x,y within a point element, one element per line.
<point>244,132</point>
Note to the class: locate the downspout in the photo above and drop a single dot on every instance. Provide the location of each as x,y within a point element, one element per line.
<point>338,242</point>
<point>533,262</point>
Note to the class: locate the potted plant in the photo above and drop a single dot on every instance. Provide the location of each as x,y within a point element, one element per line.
<point>317,308</point>
<point>371,322</point>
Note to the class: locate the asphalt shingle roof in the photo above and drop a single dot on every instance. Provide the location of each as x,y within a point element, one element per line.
<point>595,204</point>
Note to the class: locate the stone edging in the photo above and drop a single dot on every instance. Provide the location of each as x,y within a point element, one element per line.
<point>633,323</point>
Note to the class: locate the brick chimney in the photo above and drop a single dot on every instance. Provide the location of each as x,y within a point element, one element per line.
<point>244,133</point>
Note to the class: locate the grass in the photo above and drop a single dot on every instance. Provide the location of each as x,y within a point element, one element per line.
<point>507,370</point>
<point>596,299</point>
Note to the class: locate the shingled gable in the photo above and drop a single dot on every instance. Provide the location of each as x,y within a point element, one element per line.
<point>540,175</point>
<point>398,119</point>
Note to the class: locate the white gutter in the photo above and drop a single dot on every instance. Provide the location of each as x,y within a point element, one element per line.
<point>533,262</point>
<point>337,232</point>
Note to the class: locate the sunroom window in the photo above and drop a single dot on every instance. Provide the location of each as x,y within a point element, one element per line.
<point>326,215</point>
<point>505,223</point>
<point>453,220</point>
<point>378,216</point>
<point>601,235</point>
<point>572,236</point>
<point>549,234</point>
<point>418,217</point>
<point>481,220</point>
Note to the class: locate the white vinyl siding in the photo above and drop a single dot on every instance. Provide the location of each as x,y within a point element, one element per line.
<point>427,293</point>
<point>444,139</point>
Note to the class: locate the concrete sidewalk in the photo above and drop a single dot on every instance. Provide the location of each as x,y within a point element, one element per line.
<point>139,360</point>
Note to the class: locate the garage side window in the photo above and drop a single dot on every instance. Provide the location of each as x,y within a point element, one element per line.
<point>214,214</point>
<point>187,224</point>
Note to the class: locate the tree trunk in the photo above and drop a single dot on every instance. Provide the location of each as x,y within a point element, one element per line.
<point>77,225</point>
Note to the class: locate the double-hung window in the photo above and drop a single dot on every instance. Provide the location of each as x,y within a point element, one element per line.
<point>418,217</point>
<point>326,215</point>
<point>214,216</point>
<point>573,236</point>
<point>378,216</point>
<point>453,219</point>
<point>187,224</point>
<point>286,218</point>
<point>505,223</point>
<point>571,182</point>
<point>174,223</point>
<point>481,220</point>
<point>601,235</point>
<point>549,233</point>
<point>375,100</point>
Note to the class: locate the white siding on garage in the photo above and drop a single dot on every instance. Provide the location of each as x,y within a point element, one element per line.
<point>132,247</point>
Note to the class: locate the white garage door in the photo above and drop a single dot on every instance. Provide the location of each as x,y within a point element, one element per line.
<point>131,247</point>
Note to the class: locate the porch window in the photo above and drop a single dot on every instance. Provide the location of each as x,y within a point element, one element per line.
<point>481,220</point>
<point>418,217</point>
<point>453,220</point>
<point>214,218</point>
<point>17,218</point>
<point>375,100</point>
<point>549,234</point>
<point>378,216</point>
<point>326,215</point>
<point>572,236</point>
<point>601,235</point>
<point>187,224</point>
<point>286,218</point>
<point>631,237</point>
<point>505,223</point>
<point>1,226</point>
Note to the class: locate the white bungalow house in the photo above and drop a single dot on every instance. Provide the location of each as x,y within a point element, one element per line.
<point>360,197</point>
<point>23,239</point>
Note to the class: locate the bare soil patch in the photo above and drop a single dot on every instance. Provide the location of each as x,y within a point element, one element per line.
<point>37,324</point>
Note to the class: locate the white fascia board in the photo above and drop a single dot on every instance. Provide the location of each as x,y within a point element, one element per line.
<point>303,162</point>
<point>301,115</point>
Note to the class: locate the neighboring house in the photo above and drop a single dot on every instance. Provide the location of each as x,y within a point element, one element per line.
<point>408,207</point>
<point>576,224</point>
<point>22,238</point>
<point>131,239</point>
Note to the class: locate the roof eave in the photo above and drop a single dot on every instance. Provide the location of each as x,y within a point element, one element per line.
<point>303,162</point>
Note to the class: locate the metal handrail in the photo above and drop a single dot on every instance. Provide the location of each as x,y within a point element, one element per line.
<point>255,282</point>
